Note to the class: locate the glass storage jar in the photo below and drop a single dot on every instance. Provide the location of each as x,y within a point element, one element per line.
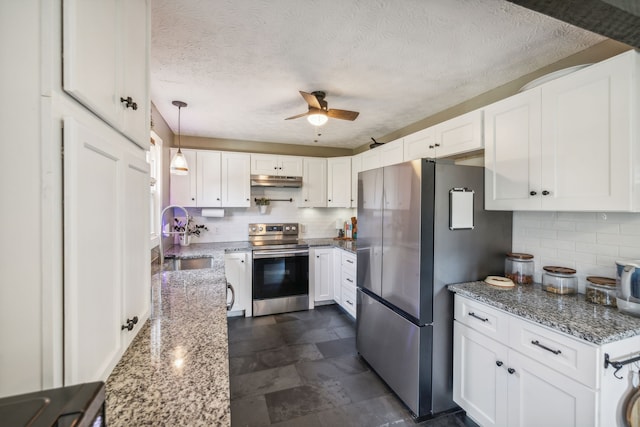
<point>601,290</point>
<point>519,268</point>
<point>559,280</point>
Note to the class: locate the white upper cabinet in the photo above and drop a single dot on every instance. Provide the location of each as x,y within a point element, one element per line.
<point>107,74</point>
<point>420,144</point>
<point>371,159</point>
<point>356,167</point>
<point>566,145</point>
<point>392,152</point>
<point>459,135</point>
<point>182,188</point>
<point>268,164</point>
<point>339,182</point>
<point>314,183</point>
<point>208,179</point>
<point>236,179</point>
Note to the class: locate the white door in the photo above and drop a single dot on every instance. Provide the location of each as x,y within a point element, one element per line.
<point>314,183</point>
<point>371,159</point>
<point>236,180</point>
<point>420,144</point>
<point>512,158</point>
<point>459,135</point>
<point>182,188</point>
<point>356,167</point>
<point>339,182</point>
<point>480,376</point>
<point>392,153</point>
<point>539,396</point>
<point>236,266</point>
<point>264,164</point>
<point>93,204</point>
<point>290,166</point>
<point>323,274</point>
<point>134,28</point>
<point>208,182</point>
<point>587,138</point>
<point>137,272</point>
<point>91,55</point>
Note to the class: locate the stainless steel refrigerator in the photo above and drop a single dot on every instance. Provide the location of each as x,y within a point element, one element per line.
<point>421,226</point>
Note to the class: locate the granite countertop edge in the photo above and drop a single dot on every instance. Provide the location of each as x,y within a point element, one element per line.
<point>569,314</point>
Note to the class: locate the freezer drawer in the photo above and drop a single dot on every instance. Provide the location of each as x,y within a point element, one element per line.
<point>398,350</point>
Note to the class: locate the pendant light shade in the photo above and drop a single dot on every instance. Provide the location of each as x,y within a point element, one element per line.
<point>179,164</point>
<point>318,119</point>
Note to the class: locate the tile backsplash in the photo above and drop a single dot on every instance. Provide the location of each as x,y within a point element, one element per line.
<point>589,242</point>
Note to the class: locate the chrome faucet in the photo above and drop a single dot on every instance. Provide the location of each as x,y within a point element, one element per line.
<point>162,232</point>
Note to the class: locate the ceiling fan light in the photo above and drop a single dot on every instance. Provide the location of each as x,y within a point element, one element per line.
<point>179,164</point>
<point>317,119</point>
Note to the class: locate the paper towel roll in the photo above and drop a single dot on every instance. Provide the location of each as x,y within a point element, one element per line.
<point>213,213</point>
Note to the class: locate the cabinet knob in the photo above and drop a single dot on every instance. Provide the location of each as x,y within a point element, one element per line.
<point>545,193</point>
<point>193,198</point>
<point>437,145</point>
<point>329,199</point>
<point>431,146</point>
<point>275,168</point>
<point>532,193</point>
<point>511,371</point>
<point>217,198</point>
<point>499,363</point>
<point>306,200</point>
<point>128,103</point>
<point>241,260</point>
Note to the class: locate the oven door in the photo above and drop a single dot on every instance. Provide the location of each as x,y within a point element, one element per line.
<point>280,273</point>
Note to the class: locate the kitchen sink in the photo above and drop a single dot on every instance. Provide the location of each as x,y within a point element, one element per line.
<point>188,263</point>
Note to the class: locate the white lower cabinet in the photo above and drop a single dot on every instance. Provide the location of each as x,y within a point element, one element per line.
<point>348,273</point>
<point>106,248</point>
<point>237,270</point>
<point>321,273</point>
<point>499,386</point>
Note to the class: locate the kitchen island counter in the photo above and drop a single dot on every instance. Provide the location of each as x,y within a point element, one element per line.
<point>570,314</point>
<point>176,371</point>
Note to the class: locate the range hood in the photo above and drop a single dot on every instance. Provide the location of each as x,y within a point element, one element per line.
<point>276,181</point>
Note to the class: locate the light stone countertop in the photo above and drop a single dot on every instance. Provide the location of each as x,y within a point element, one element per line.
<point>570,314</point>
<point>176,371</point>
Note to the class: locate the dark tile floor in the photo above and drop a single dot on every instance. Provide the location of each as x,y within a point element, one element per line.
<point>302,369</point>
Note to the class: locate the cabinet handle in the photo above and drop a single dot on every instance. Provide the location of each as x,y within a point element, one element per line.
<point>317,256</point>
<point>437,145</point>
<point>349,261</point>
<point>233,296</point>
<point>499,363</point>
<point>275,168</point>
<point>129,324</point>
<point>472,314</point>
<point>431,146</point>
<point>545,193</point>
<point>511,371</point>
<point>217,198</point>
<point>128,103</point>
<point>349,280</point>
<point>536,342</point>
<point>193,198</point>
<point>349,302</point>
<point>306,200</point>
<point>532,193</point>
<point>329,199</point>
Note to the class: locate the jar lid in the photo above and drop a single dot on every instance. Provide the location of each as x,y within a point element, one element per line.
<point>519,255</point>
<point>604,281</point>
<point>559,270</point>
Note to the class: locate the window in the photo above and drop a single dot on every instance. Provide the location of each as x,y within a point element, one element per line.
<point>154,158</point>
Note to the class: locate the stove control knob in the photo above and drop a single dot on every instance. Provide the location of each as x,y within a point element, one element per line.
<point>261,229</point>
<point>287,228</point>
<point>293,228</point>
<point>253,229</point>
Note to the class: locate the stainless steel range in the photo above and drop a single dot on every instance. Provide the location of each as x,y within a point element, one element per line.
<point>280,281</point>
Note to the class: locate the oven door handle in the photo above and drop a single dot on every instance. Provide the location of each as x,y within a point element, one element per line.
<point>284,253</point>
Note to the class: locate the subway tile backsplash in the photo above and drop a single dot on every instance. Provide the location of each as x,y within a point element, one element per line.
<point>587,241</point>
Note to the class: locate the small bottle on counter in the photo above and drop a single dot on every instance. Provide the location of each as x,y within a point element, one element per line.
<point>559,280</point>
<point>519,268</point>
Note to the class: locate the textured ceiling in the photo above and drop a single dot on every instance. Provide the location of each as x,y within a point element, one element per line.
<point>239,64</point>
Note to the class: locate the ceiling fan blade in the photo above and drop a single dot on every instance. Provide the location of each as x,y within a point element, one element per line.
<point>343,114</point>
<point>298,116</point>
<point>311,100</point>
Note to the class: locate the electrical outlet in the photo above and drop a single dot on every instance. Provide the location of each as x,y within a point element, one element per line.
<point>303,228</point>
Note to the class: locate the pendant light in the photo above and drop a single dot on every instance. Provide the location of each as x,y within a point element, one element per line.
<point>179,164</point>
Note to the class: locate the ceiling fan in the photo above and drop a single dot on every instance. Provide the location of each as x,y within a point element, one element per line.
<point>319,112</point>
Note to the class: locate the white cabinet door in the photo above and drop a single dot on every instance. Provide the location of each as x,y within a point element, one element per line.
<point>356,167</point>
<point>587,137</point>
<point>371,159</point>
<point>420,144</point>
<point>339,182</point>
<point>290,166</point>
<point>105,67</point>
<point>459,135</point>
<point>137,272</point>
<point>208,181</point>
<point>512,152</point>
<point>322,275</point>
<point>314,183</point>
<point>135,30</point>
<point>237,270</point>
<point>480,376</point>
<point>392,152</point>
<point>539,396</point>
<point>91,55</point>
<point>236,179</point>
<point>182,188</point>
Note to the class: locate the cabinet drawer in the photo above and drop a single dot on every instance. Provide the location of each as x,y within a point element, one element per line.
<point>570,357</point>
<point>347,278</point>
<point>348,260</point>
<point>487,320</point>
<point>349,299</point>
